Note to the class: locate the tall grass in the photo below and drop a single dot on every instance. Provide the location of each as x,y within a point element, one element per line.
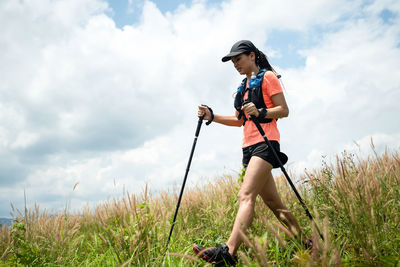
<point>355,203</point>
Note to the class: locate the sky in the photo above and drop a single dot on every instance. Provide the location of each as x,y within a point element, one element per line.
<point>99,98</point>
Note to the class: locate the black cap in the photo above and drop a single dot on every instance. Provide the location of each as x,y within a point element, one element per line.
<point>239,48</point>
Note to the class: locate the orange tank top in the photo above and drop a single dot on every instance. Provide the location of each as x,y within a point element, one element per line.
<point>270,86</point>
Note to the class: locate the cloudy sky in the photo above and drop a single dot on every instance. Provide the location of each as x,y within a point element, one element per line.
<point>105,93</point>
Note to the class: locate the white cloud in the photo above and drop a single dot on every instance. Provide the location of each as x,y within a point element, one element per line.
<point>346,89</point>
<point>378,142</point>
<point>83,101</point>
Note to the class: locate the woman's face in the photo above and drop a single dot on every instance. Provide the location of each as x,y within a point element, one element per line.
<point>243,63</point>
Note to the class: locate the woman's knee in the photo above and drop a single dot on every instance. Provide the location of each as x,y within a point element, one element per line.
<point>245,196</point>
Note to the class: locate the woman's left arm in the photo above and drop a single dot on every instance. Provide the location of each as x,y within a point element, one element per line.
<point>280,110</point>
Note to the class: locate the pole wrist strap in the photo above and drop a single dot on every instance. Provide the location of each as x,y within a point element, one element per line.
<point>262,112</point>
<point>212,115</point>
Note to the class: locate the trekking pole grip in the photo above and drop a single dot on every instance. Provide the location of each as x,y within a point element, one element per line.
<point>199,122</point>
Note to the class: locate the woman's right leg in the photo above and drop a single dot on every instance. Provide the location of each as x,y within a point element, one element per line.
<point>271,198</point>
<point>254,180</point>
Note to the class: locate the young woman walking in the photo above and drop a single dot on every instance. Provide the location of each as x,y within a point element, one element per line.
<point>260,95</point>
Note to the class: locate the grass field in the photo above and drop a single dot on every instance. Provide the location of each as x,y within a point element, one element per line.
<point>355,202</point>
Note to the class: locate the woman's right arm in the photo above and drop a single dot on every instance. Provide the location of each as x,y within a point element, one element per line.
<point>222,119</point>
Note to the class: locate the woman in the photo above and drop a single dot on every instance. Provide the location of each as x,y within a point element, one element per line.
<point>267,105</point>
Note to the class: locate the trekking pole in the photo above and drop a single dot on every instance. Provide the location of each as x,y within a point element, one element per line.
<point>184,179</point>
<point>254,119</point>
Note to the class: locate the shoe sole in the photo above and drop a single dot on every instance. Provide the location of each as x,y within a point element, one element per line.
<point>200,253</point>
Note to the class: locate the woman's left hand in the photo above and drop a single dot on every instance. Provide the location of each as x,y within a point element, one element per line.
<point>250,109</point>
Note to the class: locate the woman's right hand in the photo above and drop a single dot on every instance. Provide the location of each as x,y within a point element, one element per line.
<point>204,111</point>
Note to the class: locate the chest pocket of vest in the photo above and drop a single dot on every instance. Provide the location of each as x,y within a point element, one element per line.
<point>255,95</point>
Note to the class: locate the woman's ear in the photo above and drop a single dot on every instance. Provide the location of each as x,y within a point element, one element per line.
<point>253,56</point>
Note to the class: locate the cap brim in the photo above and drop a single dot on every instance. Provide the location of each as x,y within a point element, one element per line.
<point>230,55</point>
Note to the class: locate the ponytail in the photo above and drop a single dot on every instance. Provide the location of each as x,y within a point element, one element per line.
<point>262,61</point>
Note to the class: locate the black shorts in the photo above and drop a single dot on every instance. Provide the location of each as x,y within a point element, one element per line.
<point>263,151</point>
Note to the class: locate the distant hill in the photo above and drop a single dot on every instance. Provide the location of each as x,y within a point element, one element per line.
<point>5,221</point>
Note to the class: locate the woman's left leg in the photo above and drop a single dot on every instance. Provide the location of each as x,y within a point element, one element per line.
<point>254,180</point>
<point>271,198</point>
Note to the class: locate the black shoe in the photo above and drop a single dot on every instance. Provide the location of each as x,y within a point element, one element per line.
<point>219,256</point>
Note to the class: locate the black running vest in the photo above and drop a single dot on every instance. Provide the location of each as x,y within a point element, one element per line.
<point>255,95</point>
